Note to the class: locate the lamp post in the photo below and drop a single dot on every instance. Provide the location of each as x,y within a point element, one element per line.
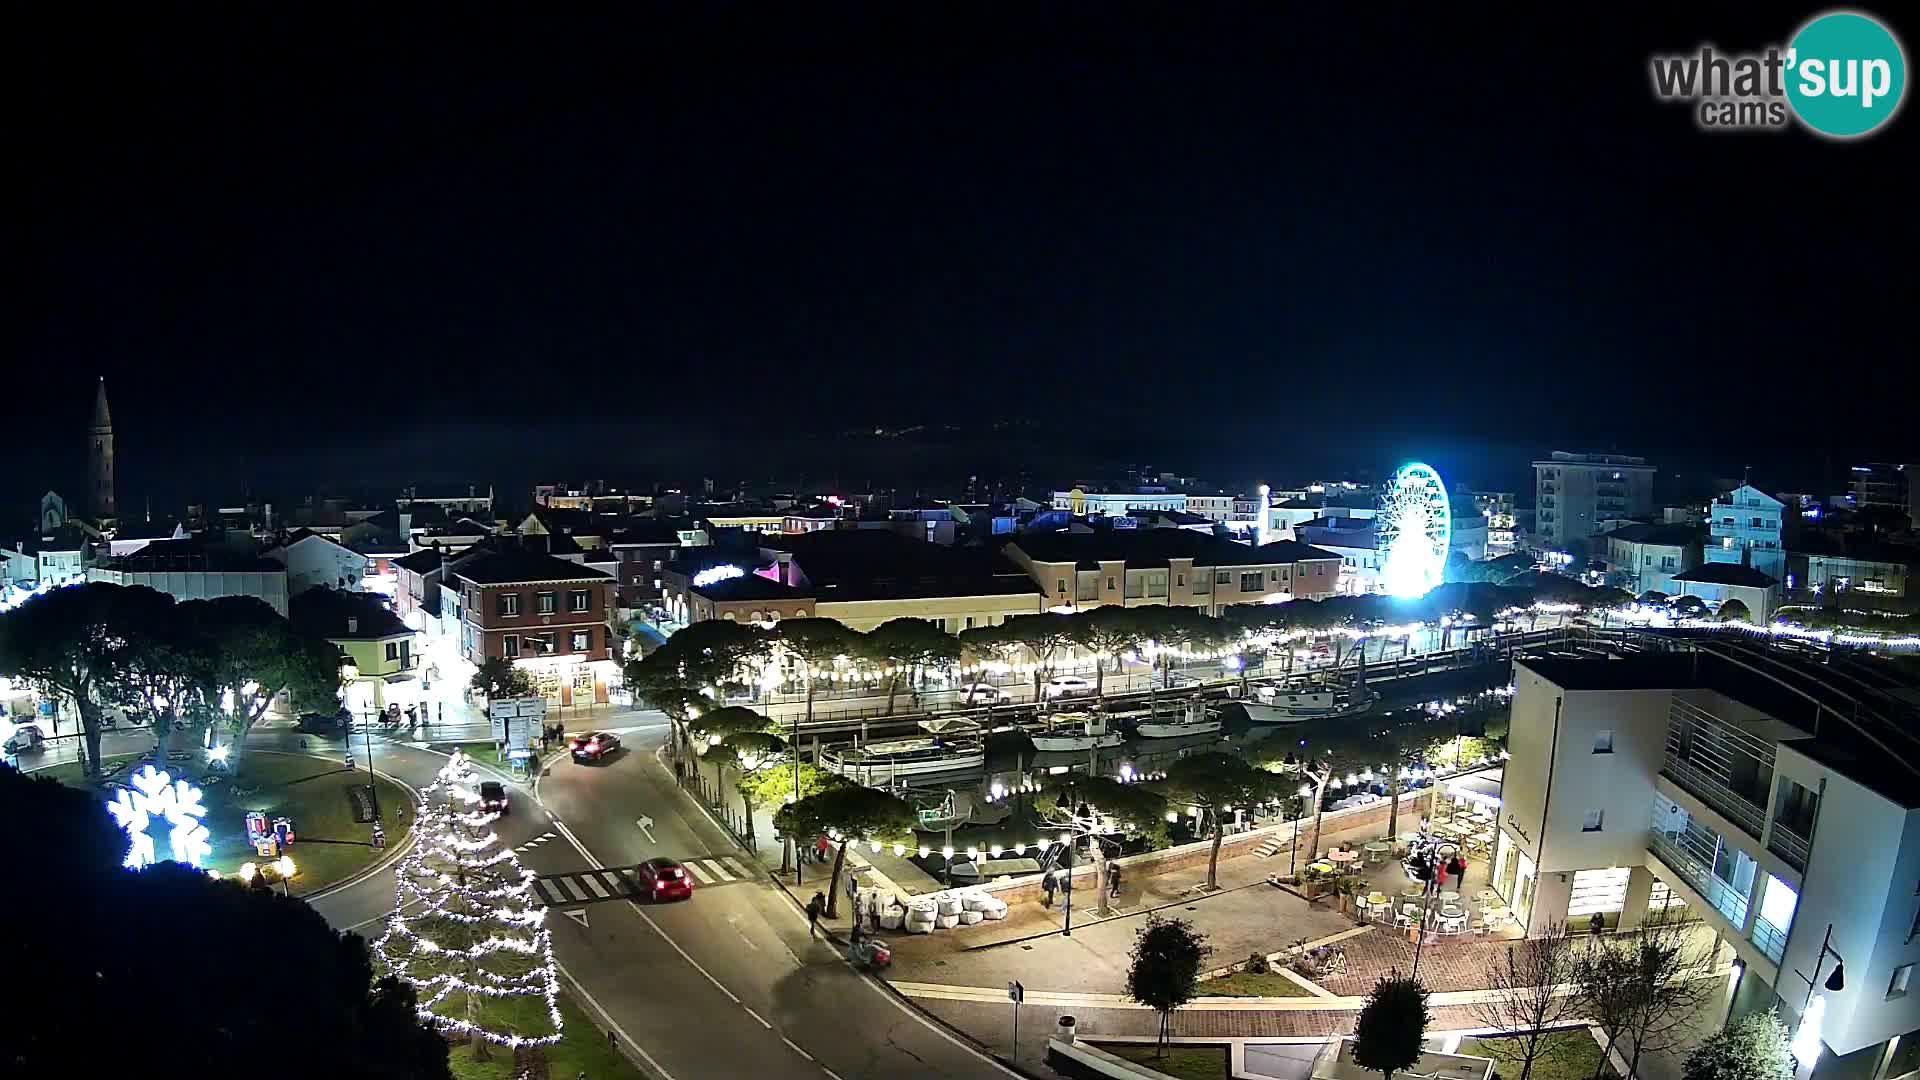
<point>1806,1038</point>
<point>351,672</point>
<point>284,865</point>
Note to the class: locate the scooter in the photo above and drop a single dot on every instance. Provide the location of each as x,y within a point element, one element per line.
<point>872,954</point>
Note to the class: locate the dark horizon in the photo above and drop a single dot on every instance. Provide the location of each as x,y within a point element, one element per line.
<point>1244,245</point>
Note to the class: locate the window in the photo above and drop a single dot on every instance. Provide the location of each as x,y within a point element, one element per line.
<point>582,640</point>
<point>1603,742</point>
<point>1222,578</point>
<point>1649,561</point>
<point>1897,988</point>
<point>509,604</point>
<point>510,646</point>
<point>1250,581</point>
<point>547,603</point>
<point>1111,585</point>
<point>1273,575</point>
<point>393,650</point>
<point>1060,586</point>
<point>1591,822</point>
<point>579,600</point>
<point>1179,579</point>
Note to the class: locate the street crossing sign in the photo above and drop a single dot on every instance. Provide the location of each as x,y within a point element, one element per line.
<point>1015,992</point>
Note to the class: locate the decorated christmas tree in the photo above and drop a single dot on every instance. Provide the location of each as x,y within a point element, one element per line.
<point>466,931</point>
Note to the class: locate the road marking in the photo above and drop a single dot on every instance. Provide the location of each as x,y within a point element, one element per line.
<point>830,1072</point>
<point>578,915</point>
<point>714,865</point>
<point>578,892</point>
<point>593,883</point>
<point>700,874</point>
<point>737,868</point>
<point>617,881</point>
<point>615,1024</point>
<point>646,826</point>
<point>796,1048</point>
<point>757,1016</point>
<point>550,891</point>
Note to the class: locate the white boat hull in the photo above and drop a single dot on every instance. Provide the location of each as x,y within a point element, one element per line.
<point>1296,714</point>
<point>1175,730</point>
<point>881,773</point>
<point>1077,741</point>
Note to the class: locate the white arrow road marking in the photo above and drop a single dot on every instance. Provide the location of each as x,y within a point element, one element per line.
<point>646,826</point>
<point>578,915</point>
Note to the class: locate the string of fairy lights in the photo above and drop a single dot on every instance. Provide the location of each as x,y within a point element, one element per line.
<point>460,883</point>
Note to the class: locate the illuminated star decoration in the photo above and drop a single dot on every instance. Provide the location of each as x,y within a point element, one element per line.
<point>157,795</point>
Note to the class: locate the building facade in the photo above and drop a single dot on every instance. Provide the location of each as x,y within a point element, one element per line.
<point>545,614</point>
<point>1575,494</point>
<point>1076,571</point>
<point>1672,782</point>
<point>1646,558</point>
<point>187,570</point>
<point>314,561</point>
<point>1082,503</point>
<point>1746,527</point>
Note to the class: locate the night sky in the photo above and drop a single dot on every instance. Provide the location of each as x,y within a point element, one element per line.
<point>317,247</point>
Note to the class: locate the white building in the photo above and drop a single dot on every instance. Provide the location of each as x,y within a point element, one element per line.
<point>1645,558</point>
<point>315,562</point>
<point>1676,780</point>
<point>187,570</point>
<point>58,557</point>
<point>1744,528</point>
<point>1716,584</point>
<point>1116,504</point>
<point>1576,494</point>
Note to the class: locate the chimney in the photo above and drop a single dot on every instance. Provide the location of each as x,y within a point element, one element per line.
<point>353,624</point>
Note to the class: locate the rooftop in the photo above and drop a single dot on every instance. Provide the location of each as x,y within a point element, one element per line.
<point>189,555</point>
<point>748,587</point>
<point>1853,720</point>
<point>347,616</point>
<point>1728,574</point>
<point>1148,548</point>
<point>516,565</point>
<point>1662,535</point>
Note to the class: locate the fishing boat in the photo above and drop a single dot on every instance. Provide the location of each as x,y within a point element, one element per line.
<point>879,764</point>
<point>1319,703</point>
<point>1084,731</point>
<point>1198,721</point>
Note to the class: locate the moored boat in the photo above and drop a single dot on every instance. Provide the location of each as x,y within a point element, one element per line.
<point>1084,731</point>
<point>881,763</point>
<point>1318,704</point>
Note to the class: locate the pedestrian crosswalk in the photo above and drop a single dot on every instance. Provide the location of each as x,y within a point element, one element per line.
<point>619,882</point>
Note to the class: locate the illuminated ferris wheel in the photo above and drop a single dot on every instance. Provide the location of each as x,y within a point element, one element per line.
<point>1414,531</point>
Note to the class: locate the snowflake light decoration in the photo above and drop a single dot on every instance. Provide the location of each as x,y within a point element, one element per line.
<point>155,794</point>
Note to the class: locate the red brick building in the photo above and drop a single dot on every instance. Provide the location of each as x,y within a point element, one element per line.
<point>544,613</point>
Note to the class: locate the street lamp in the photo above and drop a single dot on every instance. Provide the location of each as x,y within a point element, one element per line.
<point>350,671</point>
<point>284,864</point>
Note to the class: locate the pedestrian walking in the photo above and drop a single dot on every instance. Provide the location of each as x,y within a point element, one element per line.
<point>873,909</point>
<point>820,848</point>
<point>1046,892</point>
<point>1598,926</point>
<point>853,885</point>
<point>814,907</point>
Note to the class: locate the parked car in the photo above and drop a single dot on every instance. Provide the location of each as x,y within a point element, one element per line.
<point>981,694</point>
<point>664,879</point>
<point>319,723</point>
<point>24,738</point>
<point>594,747</point>
<point>493,797</point>
<point>1064,686</point>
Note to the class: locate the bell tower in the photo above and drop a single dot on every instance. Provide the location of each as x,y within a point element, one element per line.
<point>100,458</point>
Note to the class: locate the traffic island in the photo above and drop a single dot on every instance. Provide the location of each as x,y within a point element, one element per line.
<point>332,827</point>
<point>583,1050</point>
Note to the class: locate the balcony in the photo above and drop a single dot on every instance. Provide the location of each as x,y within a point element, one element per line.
<point>1692,868</point>
<point>1770,939</point>
<point>1719,763</point>
<point>1702,785</point>
<point>1790,845</point>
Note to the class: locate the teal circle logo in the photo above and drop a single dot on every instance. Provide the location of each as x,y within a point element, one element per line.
<point>1846,74</point>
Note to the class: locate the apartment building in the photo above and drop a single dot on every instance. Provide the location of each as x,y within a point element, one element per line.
<point>1576,494</point>
<point>1757,794</point>
<point>1135,567</point>
<point>1746,528</point>
<point>1116,504</point>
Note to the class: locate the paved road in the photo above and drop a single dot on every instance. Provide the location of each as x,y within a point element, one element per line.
<point>727,984</point>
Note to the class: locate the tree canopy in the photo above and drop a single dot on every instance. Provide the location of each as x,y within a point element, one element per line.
<point>499,678</point>
<point>855,813</point>
<point>149,944</point>
<point>1165,969</point>
<point>1392,1025</point>
<point>1753,1047</point>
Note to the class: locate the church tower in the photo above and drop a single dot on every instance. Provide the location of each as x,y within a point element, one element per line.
<point>100,458</point>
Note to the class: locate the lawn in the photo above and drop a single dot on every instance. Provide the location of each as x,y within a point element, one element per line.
<point>328,846</point>
<point>1568,1055</point>
<point>1247,984</point>
<point>1185,1061</point>
<point>583,1050</point>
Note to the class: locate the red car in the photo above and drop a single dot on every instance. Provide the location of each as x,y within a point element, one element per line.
<point>592,747</point>
<point>664,879</point>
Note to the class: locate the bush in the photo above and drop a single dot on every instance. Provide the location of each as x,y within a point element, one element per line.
<point>1257,965</point>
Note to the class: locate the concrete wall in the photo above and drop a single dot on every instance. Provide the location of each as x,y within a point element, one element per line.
<point>1547,791</point>
<point>269,586</point>
<point>318,563</point>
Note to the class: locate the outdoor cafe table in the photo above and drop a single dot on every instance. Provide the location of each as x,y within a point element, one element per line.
<point>1377,851</point>
<point>1342,858</point>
